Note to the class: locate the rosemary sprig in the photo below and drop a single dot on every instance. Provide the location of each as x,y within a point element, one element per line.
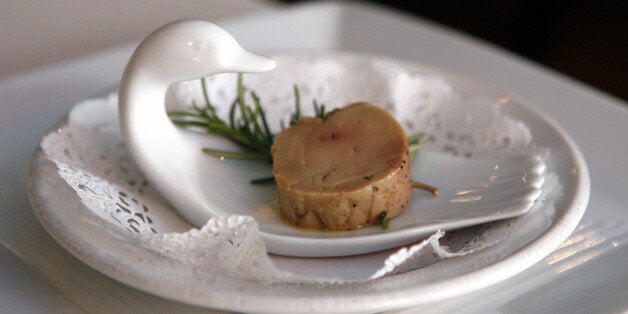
<point>414,143</point>
<point>296,116</point>
<point>319,110</point>
<point>263,181</point>
<point>383,220</point>
<point>247,125</point>
<point>425,187</point>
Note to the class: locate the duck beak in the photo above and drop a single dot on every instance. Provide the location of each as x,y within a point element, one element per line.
<point>248,62</point>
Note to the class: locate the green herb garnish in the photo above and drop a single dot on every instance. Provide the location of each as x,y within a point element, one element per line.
<point>247,126</point>
<point>414,143</point>
<point>383,220</point>
<point>262,181</point>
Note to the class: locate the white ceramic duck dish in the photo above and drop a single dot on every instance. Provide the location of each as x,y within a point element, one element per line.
<point>179,51</point>
<point>172,159</point>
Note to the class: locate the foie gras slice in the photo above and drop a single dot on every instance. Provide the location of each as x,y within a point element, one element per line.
<point>343,171</point>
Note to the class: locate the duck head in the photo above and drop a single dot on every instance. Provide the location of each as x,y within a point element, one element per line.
<point>190,49</point>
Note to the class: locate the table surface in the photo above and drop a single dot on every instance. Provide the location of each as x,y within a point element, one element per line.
<point>587,274</point>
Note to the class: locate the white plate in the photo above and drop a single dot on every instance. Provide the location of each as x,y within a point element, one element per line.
<point>121,257</point>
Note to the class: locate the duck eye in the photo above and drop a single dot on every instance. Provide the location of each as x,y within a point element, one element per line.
<point>197,45</point>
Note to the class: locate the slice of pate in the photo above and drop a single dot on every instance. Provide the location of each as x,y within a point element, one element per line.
<point>342,172</point>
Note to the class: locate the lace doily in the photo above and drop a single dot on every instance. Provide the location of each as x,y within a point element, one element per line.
<point>91,157</point>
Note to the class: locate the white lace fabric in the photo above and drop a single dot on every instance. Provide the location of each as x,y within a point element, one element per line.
<point>91,157</point>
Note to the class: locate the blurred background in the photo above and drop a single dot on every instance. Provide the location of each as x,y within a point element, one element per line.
<point>587,40</point>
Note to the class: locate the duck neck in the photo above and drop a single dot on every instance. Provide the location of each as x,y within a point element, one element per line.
<point>143,113</point>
